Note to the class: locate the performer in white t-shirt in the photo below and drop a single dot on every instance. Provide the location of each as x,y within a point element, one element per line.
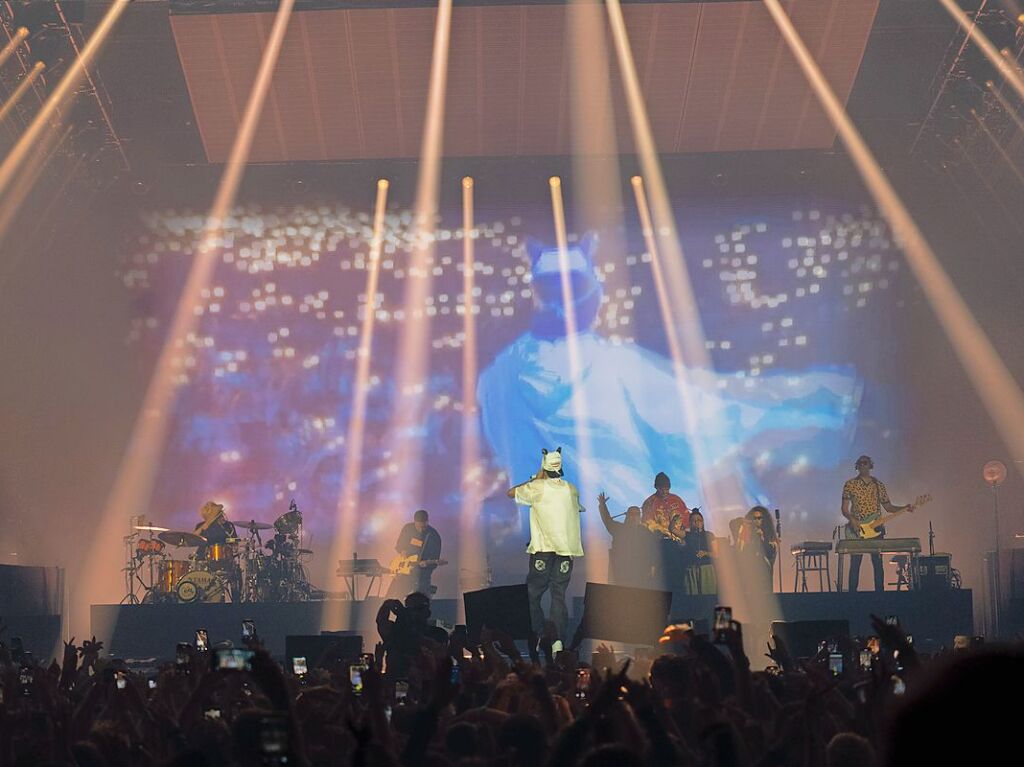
<point>555,538</point>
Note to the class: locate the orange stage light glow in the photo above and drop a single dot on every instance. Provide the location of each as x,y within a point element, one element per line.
<point>26,83</point>
<point>472,542</point>
<point>683,326</point>
<point>133,485</point>
<point>999,392</point>
<point>722,494</point>
<point>414,343</point>
<point>344,543</point>
<point>19,36</point>
<point>1005,66</point>
<point>593,541</point>
<point>998,146</point>
<point>64,91</point>
<point>22,187</point>
<point>1008,108</point>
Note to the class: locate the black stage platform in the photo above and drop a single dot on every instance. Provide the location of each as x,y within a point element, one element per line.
<point>932,617</point>
<point>151,631</point>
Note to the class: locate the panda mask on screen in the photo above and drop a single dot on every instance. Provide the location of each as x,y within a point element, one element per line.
<point>552,462</point>
<point>549,311</point>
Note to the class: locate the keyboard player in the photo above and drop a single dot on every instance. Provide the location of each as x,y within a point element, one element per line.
<point>864,499</point>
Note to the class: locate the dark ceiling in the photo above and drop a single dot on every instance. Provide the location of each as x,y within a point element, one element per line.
<point>892,91</point>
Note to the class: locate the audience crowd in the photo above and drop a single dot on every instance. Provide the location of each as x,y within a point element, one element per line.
<point>429,698</point>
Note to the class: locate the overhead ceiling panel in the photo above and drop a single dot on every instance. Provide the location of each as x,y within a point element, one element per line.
<point>352,83</point>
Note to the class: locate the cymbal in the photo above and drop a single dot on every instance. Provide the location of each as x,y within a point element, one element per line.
<point>153,528</point>
<point>251,524</point>
<point>305,551</point>
<point>181,538</point>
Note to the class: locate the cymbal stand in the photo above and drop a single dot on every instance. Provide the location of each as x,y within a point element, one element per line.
<point>253,544</point>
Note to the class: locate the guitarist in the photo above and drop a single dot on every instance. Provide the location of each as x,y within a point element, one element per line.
<point>418,539</point>
<point>864,499</point>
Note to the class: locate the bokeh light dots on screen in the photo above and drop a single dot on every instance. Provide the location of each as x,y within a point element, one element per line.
<point>291,357</point>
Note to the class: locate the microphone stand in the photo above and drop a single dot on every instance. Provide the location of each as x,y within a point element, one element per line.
<point>778,551</point>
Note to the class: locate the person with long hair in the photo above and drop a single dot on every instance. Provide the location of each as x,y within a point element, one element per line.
<point>757,547</point>
<point>700,573</point>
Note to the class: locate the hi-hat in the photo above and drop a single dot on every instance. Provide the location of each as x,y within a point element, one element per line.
<point>152,528</point>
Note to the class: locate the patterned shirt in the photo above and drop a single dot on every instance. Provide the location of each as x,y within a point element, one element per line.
<point>660,512</point>
<point>867,499</point>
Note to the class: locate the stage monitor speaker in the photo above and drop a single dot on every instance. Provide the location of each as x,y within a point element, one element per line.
<point>701,626</point>
<point>803,638</point>
<point>934,572</point>
<point>1016,573</point>
<point>322,650</point>
<point>624,614</point>
<point>506,608</point>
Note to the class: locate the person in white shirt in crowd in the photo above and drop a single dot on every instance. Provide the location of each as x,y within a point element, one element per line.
<point>555,539</point>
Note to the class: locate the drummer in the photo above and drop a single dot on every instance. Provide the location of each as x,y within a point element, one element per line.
<point>215,527</point>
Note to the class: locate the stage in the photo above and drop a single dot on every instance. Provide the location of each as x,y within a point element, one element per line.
<point>144,632</point>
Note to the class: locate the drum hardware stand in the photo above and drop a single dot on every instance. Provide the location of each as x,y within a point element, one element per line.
<point>131,573</point>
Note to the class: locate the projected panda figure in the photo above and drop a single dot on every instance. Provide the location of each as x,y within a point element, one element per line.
<point>632,421</point>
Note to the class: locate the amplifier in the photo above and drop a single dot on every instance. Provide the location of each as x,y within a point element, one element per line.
<point>934,572</point>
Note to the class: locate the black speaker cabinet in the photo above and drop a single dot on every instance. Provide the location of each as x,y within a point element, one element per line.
<point>624,614</point>
<point>802,638</point>
<point>323,649</point>
<point>506,608</point>
<point>934,572</point>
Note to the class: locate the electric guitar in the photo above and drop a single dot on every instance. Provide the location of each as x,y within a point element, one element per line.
<point>404,565</point>
<point>872,528</point>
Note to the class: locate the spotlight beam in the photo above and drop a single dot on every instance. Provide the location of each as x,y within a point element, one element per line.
<point>1009,70</point>
<point>999,147</point>
<point>578,402</point>
<point>64,91</point>
<point>346,540</point>
<point>595,150</point>
<point>1009,108</point>
<point>133,485</point>
<point>1000,394</point>
<point>472,544</point>
<point>21,89</point>
<point>413,359</point>
<point>19,36</point>
<point>678,305</point>
<point>716,474</point>
<point>22,187</point>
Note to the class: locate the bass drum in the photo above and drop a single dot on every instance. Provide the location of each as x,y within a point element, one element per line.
<point>201,586</point>
<point>169,574</point>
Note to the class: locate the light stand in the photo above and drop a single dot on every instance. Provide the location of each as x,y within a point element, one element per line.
<point>778,544</point>
<point>994,473</point>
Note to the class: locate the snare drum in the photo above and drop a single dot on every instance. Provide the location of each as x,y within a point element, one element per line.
<point>169,572</point>
<point>220,556</point>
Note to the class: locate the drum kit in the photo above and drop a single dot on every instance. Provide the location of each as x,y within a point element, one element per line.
<point>238,569</point>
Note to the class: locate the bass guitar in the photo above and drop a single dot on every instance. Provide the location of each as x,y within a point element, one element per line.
<point>867,529</point>
<point>404,565</point>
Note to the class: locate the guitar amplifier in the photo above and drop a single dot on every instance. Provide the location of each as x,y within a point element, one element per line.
<point>934,572</point>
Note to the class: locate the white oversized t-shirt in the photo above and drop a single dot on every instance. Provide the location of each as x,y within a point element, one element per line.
<point>554,516</point>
